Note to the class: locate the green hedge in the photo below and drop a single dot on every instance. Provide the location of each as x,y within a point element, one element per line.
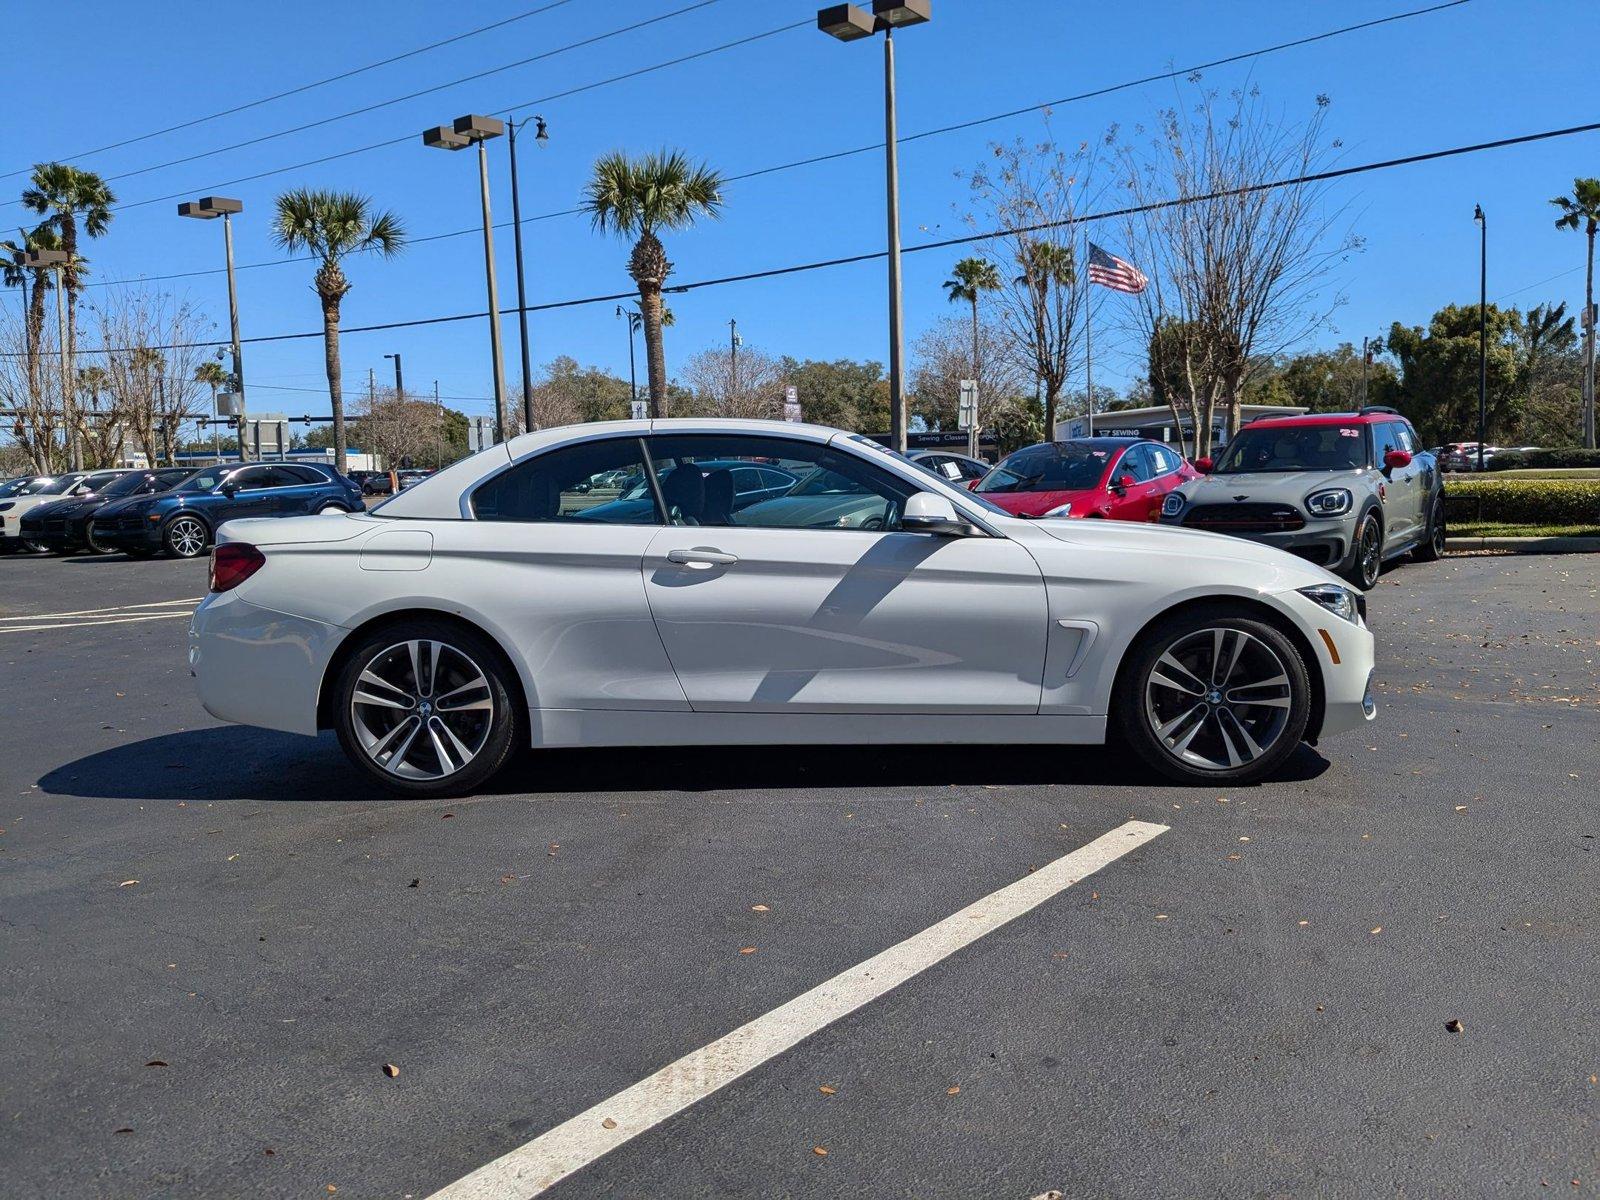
<point>1513,460</point>
<point>1524,501</point>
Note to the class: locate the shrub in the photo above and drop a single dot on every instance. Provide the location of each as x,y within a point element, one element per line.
<point>1524,501</point>
<point>1514,460</point>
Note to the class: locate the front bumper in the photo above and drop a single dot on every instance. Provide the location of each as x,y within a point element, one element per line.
<point>123,531</point>
<point>254,666</point>
<point>1345,657</point>
<point>1326,541</point>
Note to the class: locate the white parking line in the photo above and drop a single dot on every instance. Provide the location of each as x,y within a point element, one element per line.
<point>95,612</point>
<point>531,1169</point>
<point>93,624</point>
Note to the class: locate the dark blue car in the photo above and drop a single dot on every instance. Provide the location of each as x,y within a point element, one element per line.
<point>183,521</point>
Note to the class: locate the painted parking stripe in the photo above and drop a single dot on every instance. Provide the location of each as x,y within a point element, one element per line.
<point>536,1166</point>
<point>130,620</point>
<point>98,612</point>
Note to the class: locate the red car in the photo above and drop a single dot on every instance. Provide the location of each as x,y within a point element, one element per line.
<point>1122,478</point>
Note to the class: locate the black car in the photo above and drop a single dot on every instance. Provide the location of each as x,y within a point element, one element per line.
<point>183,521</point>
<point>63,526</point>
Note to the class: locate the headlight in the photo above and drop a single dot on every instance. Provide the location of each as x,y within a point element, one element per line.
<point>7,506</point>
<point>1340,601</point>
<point>1060,510</point>
<point>1329,503</point>
<point>1172,505</point>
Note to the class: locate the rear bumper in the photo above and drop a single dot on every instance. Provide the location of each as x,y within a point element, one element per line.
<point>254,666</point>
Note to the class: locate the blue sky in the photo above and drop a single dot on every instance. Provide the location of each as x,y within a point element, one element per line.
<point>1487,69</point>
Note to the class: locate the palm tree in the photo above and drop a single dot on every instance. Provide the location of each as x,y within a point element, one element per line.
<point>971,277</point>
<point>211,374</point>
<point>329,226</point>
<point>1582,210</point>
<point>62,194</point>
<point>44,237</point>
<point>638,198</point>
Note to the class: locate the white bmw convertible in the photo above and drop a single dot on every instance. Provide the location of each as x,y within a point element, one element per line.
<point>686,582</point>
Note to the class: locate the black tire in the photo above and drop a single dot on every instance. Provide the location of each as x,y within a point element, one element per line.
<point>185,536</point>
<point>1195,736</point>
<point>91,546</point>
<point>33,547</point>
<point>365,731</point>
<point>1431,548</point>
<point>1366,552</point>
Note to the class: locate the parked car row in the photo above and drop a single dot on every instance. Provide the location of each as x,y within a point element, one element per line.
<point>173,511</point>
<point>1463,456</point>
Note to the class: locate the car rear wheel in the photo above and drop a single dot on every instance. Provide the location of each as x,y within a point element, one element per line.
<point>1210,696</point>
<point>1366,562</point>
<point>185,537</point>
<point>1432,546</point>
<point>426,709</point>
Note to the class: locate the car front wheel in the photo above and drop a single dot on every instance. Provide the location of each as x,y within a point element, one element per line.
<point>185,537</point>
<point>1210,696</point>
<point>1366,556</point>
<point>426,708</point>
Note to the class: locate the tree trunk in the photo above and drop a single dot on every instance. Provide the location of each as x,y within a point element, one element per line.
<point>330,345</point>
<point>1050,411</point>
<point>649,267</point>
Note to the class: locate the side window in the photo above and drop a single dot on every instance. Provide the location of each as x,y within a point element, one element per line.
<point>1166,460</point>
<point>251,477</point>
<point>972,470</point>
<point>776,479</point>
<point>1407,438</point>
<point>833,489</point>
<point>1134,462</point>
<point>1383,441</point>
<point>746,480</point>
<point>300,476</point>
<point>592,481</point>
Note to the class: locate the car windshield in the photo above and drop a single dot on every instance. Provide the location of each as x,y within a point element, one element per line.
<point>12,486</point>
<point>98,483</point>
<point>125,485</point>
<point>1294,448</point>
<point>1066,468</point>
<point>56,486</point>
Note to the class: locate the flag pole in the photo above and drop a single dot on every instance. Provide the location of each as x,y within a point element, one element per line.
<point>1088,360</point>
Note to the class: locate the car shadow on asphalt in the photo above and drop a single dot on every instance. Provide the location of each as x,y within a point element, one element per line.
<point>239,763</point>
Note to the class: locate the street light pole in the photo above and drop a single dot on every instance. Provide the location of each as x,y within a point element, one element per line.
<point>634,321</point>
<point>458,136</point>
<point>733,357</point>
<point>206,209</point>
<point>399,380</point>
<point>849,23</point>
<point>541,135</point>
<point>1483,327</point>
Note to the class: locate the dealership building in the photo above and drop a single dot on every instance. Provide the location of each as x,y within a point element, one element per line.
<point>1157,423</point>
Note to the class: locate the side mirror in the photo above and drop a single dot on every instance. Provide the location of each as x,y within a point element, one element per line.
<point>928,513</point>
<point>1395,459</point>
<point>1122,483</point>
<point>229,488</point>
<point>1204,465</point>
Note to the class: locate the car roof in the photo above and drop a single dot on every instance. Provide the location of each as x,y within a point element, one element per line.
<point>1088,443</point>
<point>1302,420</point>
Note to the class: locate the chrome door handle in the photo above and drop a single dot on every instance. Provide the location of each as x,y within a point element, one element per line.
<point>701,558</point>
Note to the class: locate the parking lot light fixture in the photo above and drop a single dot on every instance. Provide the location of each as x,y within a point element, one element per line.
<point>1483,327</point>
<point>208,208</point>
<point>56,261</point>
<point>458,135</point>
<point>850,23</point>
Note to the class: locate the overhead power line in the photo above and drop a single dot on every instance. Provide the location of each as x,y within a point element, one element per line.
<point>840,154</point>
<point>410,137</point>
<point>427,91</point>
<point>306,87</point>
<point>943,244</point>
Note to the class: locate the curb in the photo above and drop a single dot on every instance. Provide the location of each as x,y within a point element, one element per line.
<point>1527,545</point>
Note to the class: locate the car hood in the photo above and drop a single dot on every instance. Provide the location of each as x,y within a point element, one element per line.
<point>1038,503</point>
<point>63,508</point>
<point>1284,570</point>
<point>1290,486</point>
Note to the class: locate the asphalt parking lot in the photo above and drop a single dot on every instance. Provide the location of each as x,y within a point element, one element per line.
<point>215,940</point>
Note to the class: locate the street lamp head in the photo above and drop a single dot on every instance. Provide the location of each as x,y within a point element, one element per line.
<point>846,22</point>
<point>478,128</point>
<point>442,137</point>
<point>210,207</point>
<point>541,132</point>
<point>1477,213</point>
<point>41,258</point>
<point>898,13</point>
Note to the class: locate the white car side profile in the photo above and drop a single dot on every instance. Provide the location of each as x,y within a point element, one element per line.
<point>597,585</point>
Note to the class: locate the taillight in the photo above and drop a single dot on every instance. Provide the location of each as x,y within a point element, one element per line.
<point>232,563</point>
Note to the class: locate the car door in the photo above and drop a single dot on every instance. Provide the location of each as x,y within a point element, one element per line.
<point>251,496</point>
<point>1132,502</point>
<point>299,490</point>
<point>1401,504</point>
<point>799,605</point>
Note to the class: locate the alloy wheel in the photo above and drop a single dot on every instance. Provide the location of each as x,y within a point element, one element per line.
<point>1438,534</point>
<point>187,537</point>
<point>422,709</point>
<point>1218,699</point>
<point>1370,551</point>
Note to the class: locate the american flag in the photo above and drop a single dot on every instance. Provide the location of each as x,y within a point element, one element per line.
<point>1110,271</point>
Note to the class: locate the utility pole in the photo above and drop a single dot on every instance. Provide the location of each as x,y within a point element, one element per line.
<point>733,358</point>
<point>541,135</point>
<point>399,380</point>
